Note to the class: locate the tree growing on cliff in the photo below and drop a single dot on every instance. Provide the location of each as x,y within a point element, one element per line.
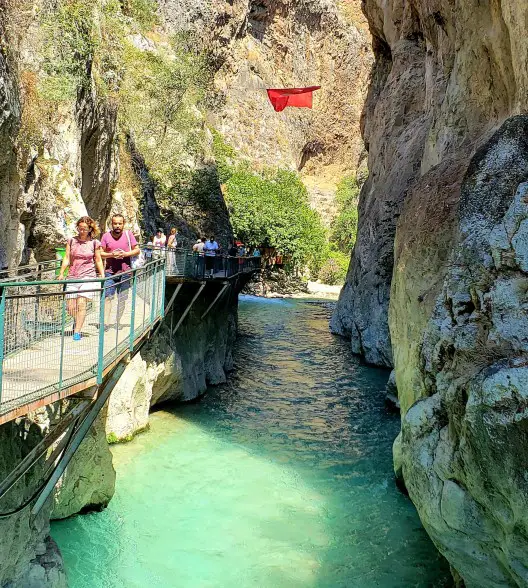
<point>271,208</point>
<point>344,228</point>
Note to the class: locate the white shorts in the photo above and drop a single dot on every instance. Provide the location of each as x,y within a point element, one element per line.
<point>80,289</point>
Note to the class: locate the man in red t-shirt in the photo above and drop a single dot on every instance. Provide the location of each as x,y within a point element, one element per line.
<point>117,247</point>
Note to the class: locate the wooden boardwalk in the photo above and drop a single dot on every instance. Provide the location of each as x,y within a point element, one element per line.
<point>52,366</point>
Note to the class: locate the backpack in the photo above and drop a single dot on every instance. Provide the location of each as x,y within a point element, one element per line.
<point>137,261</point>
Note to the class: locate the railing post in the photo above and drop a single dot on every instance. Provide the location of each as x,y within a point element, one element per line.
<point>102,325</point>
<point>153,299</point>
<point>2,341</point>
<point>163,283</point>
<point>133,311</point>
<point>63,327</point>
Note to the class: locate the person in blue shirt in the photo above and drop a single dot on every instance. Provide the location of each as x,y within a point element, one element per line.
<point>210,249</point>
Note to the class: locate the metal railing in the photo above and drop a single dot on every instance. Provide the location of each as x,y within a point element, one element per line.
<point>193,265</point>
<point>44,270</point>
<point>39,355</point>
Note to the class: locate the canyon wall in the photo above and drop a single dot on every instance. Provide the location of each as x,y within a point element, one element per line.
<point>441,261</point>
<point>258,44</point>
<point>63,156</point>
<point>177,366</point>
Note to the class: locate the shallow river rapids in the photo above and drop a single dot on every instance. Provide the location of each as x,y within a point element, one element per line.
<point>282,478</point>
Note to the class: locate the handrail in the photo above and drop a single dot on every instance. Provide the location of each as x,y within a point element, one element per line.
<point>71,281</point>
<point>194,265</point>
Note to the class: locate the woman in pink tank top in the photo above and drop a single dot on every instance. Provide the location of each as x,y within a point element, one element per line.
<point>83,257</point>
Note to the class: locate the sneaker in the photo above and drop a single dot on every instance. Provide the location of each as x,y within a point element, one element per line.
<point>77,336</point>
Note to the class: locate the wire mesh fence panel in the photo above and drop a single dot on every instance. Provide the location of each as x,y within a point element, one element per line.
<point>46,270</point>
<point>57,334</point>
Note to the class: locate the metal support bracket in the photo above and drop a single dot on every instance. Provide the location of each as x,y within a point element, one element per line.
<point>187,310</point>
<point>37,452</point>
<point>78,437</point>
<point>218,296</point>
<point>173,298</point>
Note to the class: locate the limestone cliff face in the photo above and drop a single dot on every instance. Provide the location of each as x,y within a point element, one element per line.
<point>260,44</point>
<point>59,160</point>
<point>442,228</point>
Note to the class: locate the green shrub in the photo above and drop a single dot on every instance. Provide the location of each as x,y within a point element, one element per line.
<point>334,269</point>
<point>158,90</point>
<point>271,208</point>
<point>344,228</point>
<point>224,155</point>
<point>160,96</point>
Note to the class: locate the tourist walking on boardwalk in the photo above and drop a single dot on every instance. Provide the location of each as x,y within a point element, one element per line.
<point>198,247</point>
<point>198,250</point>
<point>232,262</point>
<point>170,258</point>
<point>83,258</point>
<point>210,249</point>
<point>172,241</point>
<point>118,246</point>
<point>160,239</point>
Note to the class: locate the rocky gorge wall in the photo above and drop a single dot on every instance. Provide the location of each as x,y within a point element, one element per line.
<point>61,159</point>
<point>440,264</point>
<point>175,367</point>
<point>260,44</point>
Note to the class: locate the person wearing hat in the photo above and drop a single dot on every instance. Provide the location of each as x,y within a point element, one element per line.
<point>198,249</point>
<point>160,239</point>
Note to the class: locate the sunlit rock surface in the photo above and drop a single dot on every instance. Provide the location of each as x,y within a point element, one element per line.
<point>442,235</point>
<point>259,44</point>
<point>89,480</point>
<point>176,367</point>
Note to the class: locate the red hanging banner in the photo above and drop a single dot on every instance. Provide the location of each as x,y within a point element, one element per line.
<point>299,97</point>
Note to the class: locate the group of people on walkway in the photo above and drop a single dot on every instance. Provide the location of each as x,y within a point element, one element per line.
<point>87,258</point>
<point>160,240</point>
<point>208,249</point>
<point>110,258</point>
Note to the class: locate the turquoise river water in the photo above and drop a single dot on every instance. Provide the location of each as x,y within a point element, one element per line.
<point>282,478</point>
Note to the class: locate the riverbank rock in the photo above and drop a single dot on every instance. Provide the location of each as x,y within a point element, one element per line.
<point>173,368</point>
<point>29,557</point>
<point>88,483</point>
<point>276,283</point>
<point>440,259</point>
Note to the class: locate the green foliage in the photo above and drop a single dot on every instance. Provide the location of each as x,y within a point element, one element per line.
<point>112,438</point>
<point>143,12</point>
<point>158,86</point>
<point>69,43</point>
<point>334,269</point>
<point>344,228</point>
<point>271,208</point>
<point>224,156</point>
<point>160,96</point>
